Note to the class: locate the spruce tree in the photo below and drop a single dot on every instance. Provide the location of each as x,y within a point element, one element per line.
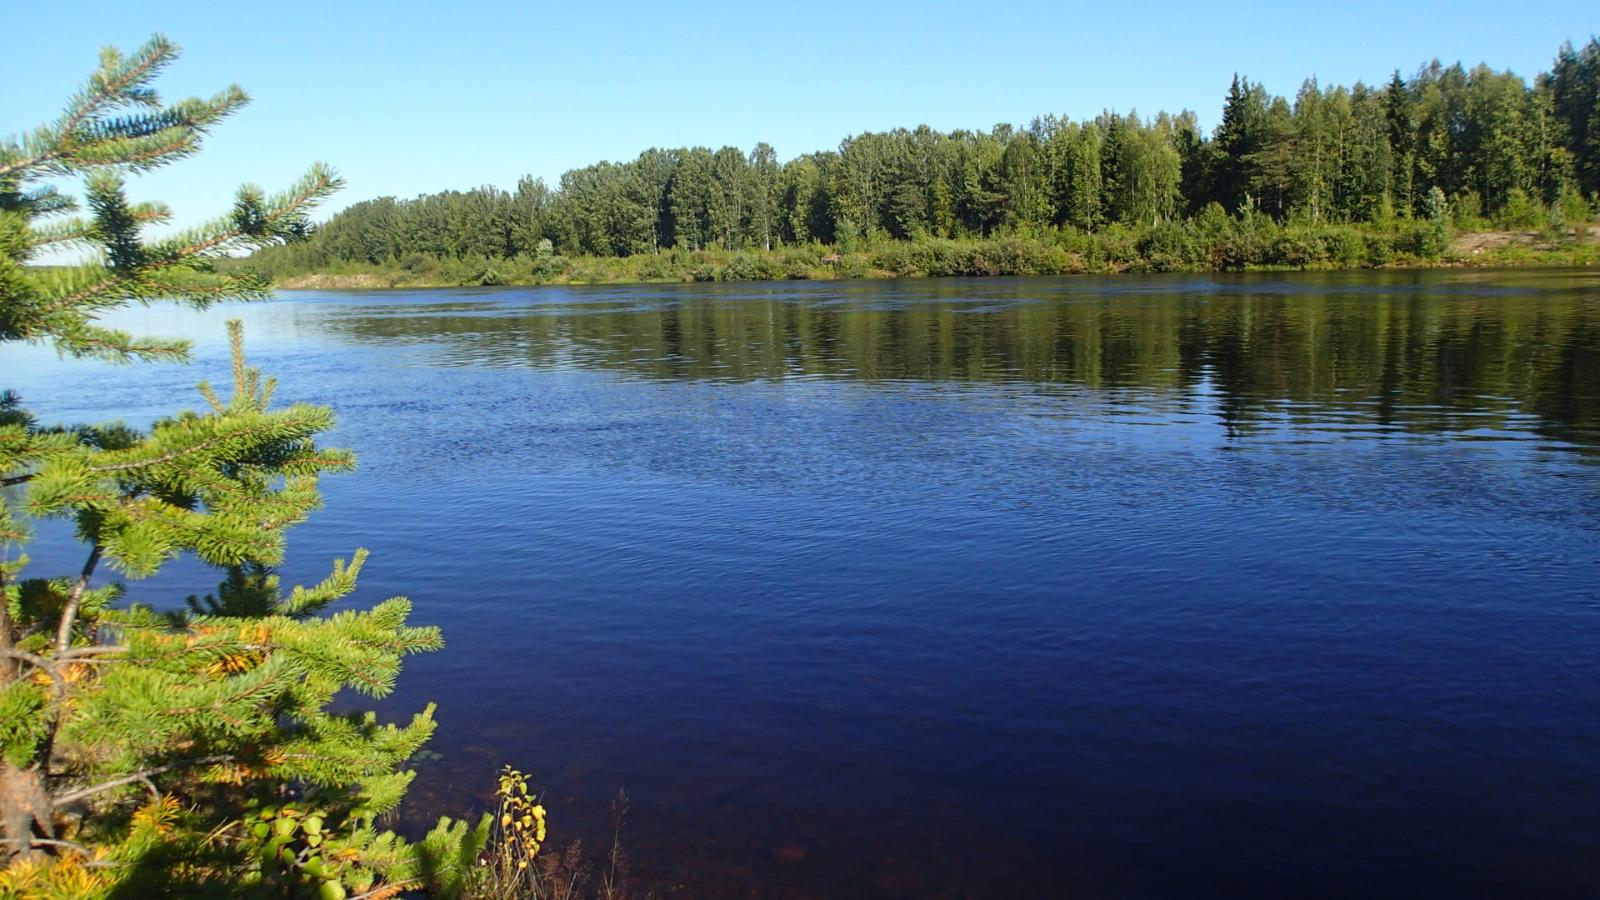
<point>186,749</point>
<point>1241,135</point>
<point>1402,133</point>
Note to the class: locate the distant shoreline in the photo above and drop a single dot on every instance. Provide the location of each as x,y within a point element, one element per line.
<point>992,257</point>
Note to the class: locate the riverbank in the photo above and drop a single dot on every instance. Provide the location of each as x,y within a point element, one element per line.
<point>1177,248</point>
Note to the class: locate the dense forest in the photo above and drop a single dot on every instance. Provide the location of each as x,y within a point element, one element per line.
<point>1473,146</point>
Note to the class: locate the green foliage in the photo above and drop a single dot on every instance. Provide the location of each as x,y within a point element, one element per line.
<point>1212,240</point>
<point>1490,146</point>
<point>212,710</point>
<point>1521,212</point>
<point>92,138</point>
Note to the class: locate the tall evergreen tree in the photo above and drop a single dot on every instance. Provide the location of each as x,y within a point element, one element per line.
<point>1240,139</point>
<point>1196,164</point>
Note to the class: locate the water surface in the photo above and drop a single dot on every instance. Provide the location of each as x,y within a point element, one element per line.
<point>1143,586</point>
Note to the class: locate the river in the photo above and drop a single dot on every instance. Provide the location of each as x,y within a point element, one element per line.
<point>1207,586</point>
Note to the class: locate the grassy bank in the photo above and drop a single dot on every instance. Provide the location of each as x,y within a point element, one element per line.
<point>1230,245</point>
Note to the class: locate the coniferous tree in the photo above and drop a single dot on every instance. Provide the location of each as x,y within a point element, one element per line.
<point>175,751</point>
<point>1240,140</point>
<point>1196,164</point>
<point>1402,132</point>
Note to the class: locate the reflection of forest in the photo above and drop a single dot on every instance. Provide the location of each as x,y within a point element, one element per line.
<point>1446,353</point>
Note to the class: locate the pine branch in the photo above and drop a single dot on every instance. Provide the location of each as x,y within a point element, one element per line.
<point>47,842</point>
<point>104,89</point>
<point>254,222</point>
<point>69,614</point>
<point>155,55</point>
<point>62,234</point>
<point>7,671</point>
<point>81,654</point>
<point>143,774</point>
<point>118,346</point>
<point>253,225</point>
<point>42,664</point>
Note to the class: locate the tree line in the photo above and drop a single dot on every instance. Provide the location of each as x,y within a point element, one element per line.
<point>1488,143</point>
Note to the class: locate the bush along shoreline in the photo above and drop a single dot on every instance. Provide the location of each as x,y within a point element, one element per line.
<point>1218,243</point>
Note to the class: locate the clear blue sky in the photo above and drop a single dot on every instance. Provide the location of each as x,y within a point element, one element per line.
<point>405,98</point>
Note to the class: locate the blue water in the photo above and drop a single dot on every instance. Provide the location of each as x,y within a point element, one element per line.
<point>1246,586</point>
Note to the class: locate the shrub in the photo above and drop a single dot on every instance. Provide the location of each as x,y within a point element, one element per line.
<point>753,266</point>
<point>1520,212</point>
<point>1169,246</point>
<point>1345,246</point>
<point>1380,249</point>
<point>419,264</point>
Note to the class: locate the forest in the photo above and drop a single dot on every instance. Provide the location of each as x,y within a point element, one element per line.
<point>1447,147</point>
